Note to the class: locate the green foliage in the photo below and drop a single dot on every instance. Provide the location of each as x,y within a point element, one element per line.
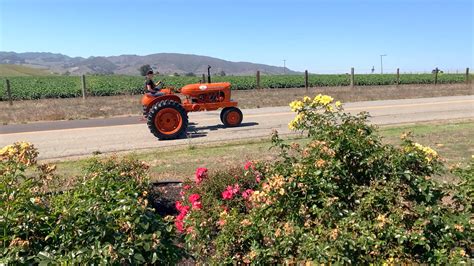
<point>24,88</point>
<point>344,197</point>
<point>103,219</point>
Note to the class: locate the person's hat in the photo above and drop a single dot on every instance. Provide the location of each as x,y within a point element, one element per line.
<point>149,72</point>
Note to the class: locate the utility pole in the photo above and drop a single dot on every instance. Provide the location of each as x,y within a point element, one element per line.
<point>284,66</point>
<point>381,63</point>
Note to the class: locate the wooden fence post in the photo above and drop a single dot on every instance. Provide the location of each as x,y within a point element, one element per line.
<point>398,76</point>
<point>467,75</point>
<point>436,76</point>
<point>83,82</point>
<point>352,77</point>
<point>258,79</point>
<point>306,82</point>
<point>9,92</point>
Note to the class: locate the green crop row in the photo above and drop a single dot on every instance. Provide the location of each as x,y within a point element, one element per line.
<point>23,88</point>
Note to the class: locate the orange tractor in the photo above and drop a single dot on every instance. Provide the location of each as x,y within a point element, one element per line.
<point>167,114</point>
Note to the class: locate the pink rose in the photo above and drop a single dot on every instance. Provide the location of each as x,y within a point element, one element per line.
<point>186,187</point>
<point>201,173</point>
<point>221,222</point>
<point>189,230</point>
<point>181,216</point>
<point>194,197</point>
<point>236,189</point>
<point>227,194</point>
<point>247,193</point>
<point>197,205</point>
<point>179,225</point>
<point>178,205</point>
<point>249,165</point>
<point>230,191</point>
<point>183,211</point>
<point>258,177</point>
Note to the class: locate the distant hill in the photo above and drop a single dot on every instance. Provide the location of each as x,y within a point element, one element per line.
<point>9,70</point>
<point>165,63</point>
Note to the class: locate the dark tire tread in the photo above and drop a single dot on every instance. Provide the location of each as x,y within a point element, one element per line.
<point>226,111</point>
<point>154,111</point>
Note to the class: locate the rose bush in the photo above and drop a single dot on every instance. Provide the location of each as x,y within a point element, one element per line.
<point>104,218</point>
<point>343,196</point>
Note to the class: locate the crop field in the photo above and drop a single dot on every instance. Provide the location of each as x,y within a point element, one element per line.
<point>37,87</point>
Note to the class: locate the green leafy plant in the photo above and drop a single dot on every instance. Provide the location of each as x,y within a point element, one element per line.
<point>25,88</point>
<point>104,218</point>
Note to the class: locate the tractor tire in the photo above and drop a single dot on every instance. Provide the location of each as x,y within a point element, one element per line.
<point>167,120</point>
<point>232,117</point>
<point>222,114</point>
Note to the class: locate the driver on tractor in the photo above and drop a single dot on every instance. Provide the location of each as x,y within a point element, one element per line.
<point>153,88</point>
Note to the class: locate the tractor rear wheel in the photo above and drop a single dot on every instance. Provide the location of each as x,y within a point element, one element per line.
<point>167,120</point>
<point>231,117</point>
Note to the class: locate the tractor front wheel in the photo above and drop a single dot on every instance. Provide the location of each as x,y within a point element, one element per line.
<point>222,114</point>
<point>167,120</point>
<point>231,117</point>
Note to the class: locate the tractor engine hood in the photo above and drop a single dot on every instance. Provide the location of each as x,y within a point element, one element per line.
<point>194,90</point>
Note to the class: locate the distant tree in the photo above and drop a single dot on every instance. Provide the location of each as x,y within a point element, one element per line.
<point>190,74</point>
<point>175,74</point>
<point>143,69</point>
<point>222,73</point>
<point>67,73</point>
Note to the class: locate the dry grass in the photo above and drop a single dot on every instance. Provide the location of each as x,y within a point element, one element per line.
<point>280,97</point>
<point>76,108</point>
<point>9,70</point>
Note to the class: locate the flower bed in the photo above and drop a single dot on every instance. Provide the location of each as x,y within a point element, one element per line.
<point>344,197</point>
<point>341,197</point>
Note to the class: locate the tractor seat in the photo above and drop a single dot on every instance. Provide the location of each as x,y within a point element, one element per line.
<point>155,94</point>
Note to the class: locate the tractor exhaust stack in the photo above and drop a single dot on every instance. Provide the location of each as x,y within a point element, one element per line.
<point>208,74</point>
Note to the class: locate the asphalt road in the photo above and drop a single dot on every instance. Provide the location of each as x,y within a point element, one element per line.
<point>63,139</point>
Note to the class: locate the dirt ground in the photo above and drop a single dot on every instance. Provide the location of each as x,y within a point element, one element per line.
<point>126,105</point>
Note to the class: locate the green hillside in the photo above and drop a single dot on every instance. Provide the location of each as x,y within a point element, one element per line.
<point>7,70</point>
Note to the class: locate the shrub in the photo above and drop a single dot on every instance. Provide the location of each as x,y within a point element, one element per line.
<point>103,219</point>
<point>24,217</point>
<point>342,197</point>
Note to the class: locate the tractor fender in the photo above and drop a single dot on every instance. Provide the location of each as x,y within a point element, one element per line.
<point>150,102</point>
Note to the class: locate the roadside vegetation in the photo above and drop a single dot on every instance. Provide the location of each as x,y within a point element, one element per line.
<point>327,197</point>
